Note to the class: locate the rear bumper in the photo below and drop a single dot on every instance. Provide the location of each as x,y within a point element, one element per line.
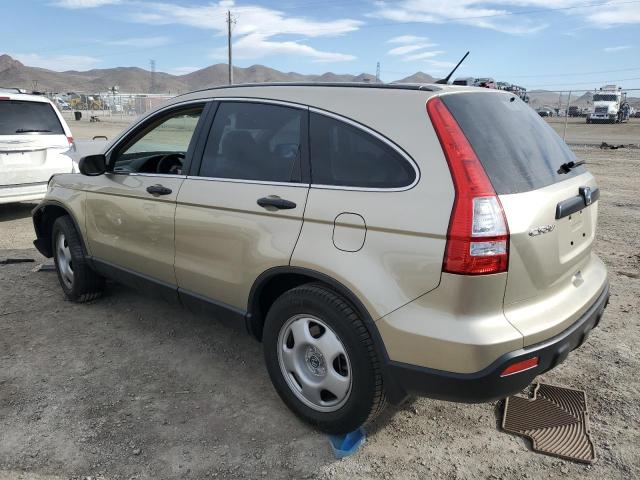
<point>487,385</point>
<point>22,192</point>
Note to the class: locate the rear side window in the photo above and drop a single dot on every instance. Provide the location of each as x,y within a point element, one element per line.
<point>518,150</point>
<point>18,117</point>
<point>253,141</point>
<point>344,155</point>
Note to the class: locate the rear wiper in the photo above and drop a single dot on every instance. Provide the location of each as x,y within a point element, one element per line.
<point>32,130</point>
<point>567,167</point>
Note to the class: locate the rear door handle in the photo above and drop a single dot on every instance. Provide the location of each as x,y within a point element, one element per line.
<point>158,190</point>
<point>276,202</point>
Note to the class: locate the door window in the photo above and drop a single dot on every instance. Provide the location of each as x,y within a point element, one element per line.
<point>344,155</point>
<point>161,146</point>
<point>254,141</point>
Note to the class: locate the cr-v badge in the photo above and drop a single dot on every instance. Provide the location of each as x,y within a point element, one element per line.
<point>534,232</point>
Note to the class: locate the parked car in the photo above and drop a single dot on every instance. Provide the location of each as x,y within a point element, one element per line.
<point>464,81</point>
<point>34,140</point>
<point>444,251</point>
<point>485,83</point>
<point>545,112</point>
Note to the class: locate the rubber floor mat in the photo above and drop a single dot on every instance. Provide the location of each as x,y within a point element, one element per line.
<point>555,420</point>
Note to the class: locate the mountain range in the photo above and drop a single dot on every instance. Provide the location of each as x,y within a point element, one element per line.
<point>137,80</point>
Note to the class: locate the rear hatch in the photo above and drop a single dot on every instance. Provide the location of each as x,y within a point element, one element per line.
<point>553,277</point>
<point>32,141</point>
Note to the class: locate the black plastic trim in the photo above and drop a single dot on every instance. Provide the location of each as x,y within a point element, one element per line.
<point>136,280</point>
<point>575,204</point>
<point>202,305</point>
<point>42,243</point>
<point>487,385</point>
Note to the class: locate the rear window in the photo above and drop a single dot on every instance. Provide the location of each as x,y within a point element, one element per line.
<point>518,150</point>
<point>18,117</point>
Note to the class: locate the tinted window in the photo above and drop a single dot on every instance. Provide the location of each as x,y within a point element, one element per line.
<point>161,147</point>
<point>518,150</point>
<point>28,118</point>
<point>344,155</point>
<point>253,141</point>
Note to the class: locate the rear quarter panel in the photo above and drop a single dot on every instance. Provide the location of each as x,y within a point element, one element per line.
<point>401,258</point>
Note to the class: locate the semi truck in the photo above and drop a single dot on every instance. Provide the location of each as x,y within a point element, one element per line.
<point>609,105</point>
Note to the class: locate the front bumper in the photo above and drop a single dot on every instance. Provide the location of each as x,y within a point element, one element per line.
<point>486,385</point>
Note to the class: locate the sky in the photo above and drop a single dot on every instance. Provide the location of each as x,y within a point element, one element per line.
<point>551,44</point>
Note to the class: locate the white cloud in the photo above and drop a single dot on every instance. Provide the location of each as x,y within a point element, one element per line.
<point>255,45</point>
<point>503,15</point>
<point>616,49</point>
<point>257,29</point>
<point>140,42</point>
<point>78,4</point>
<point>57,63</point>
<point>422,55</point>
<point>470,12</point>
<point>404,49</point>
<point>404,39</point>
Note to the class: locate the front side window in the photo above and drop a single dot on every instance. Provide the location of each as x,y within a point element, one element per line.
<point>344,155</point>
<point>254,141</point>
<point>161,147</point>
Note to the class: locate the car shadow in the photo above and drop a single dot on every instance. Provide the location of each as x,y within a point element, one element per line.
<point>15,211</point>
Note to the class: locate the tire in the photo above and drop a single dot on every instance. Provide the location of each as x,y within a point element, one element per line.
<point>78,281</point>
<point>319,315</point>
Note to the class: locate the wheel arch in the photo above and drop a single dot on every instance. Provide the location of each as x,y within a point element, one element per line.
<point>277,280</point>
<point>43,216</point>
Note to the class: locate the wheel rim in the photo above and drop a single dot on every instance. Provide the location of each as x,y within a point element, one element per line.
<point>314,363</point>
<point>65,263</point>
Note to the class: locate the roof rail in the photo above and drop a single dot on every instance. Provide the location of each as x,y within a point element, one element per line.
<point>389,86</point>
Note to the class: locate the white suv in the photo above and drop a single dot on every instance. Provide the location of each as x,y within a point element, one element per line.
<point>34,141</point>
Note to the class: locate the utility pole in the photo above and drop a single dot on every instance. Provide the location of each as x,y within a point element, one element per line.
<point>152,87</point>
<point>378,72</point>
<point>230,20</point>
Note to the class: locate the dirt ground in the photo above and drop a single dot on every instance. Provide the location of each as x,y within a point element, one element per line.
<point>129,387</point>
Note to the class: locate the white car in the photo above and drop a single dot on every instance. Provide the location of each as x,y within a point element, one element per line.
<point>34,142</point>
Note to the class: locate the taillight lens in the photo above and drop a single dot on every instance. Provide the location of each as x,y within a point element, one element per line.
<point>70,140</point>
<point>478,235</point>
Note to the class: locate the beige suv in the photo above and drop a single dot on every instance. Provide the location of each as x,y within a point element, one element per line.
<point>380,240</point>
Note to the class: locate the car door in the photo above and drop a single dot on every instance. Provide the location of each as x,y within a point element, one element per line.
<point>130,210</point>
<point>240,210</point>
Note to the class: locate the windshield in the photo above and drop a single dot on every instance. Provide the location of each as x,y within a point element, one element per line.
<point>18,117</point>
<point>605,97</point>
<point>518,150</point>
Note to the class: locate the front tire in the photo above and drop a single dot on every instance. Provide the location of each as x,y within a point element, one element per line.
<point>78,281</point>
<point>321,359</point>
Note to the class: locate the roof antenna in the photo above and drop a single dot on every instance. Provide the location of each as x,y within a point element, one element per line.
<point>446,79</point>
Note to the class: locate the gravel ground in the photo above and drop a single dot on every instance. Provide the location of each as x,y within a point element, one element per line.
<point>130,387</point>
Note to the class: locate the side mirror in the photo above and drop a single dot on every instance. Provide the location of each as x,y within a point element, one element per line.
<point>93,165</point>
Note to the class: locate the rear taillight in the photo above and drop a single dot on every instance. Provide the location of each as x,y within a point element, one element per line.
<point>478,235</point>
<point>70,140</point>
<point>5,98</point>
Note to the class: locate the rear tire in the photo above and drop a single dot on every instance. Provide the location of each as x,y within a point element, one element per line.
<point>78,281</point>
<point>322,360</point>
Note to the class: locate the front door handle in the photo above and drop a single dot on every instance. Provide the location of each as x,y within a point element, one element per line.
<point>276,202</point>
<point>158,190</point>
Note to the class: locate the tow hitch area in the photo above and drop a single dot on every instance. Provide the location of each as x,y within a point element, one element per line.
<point>555,420</point>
